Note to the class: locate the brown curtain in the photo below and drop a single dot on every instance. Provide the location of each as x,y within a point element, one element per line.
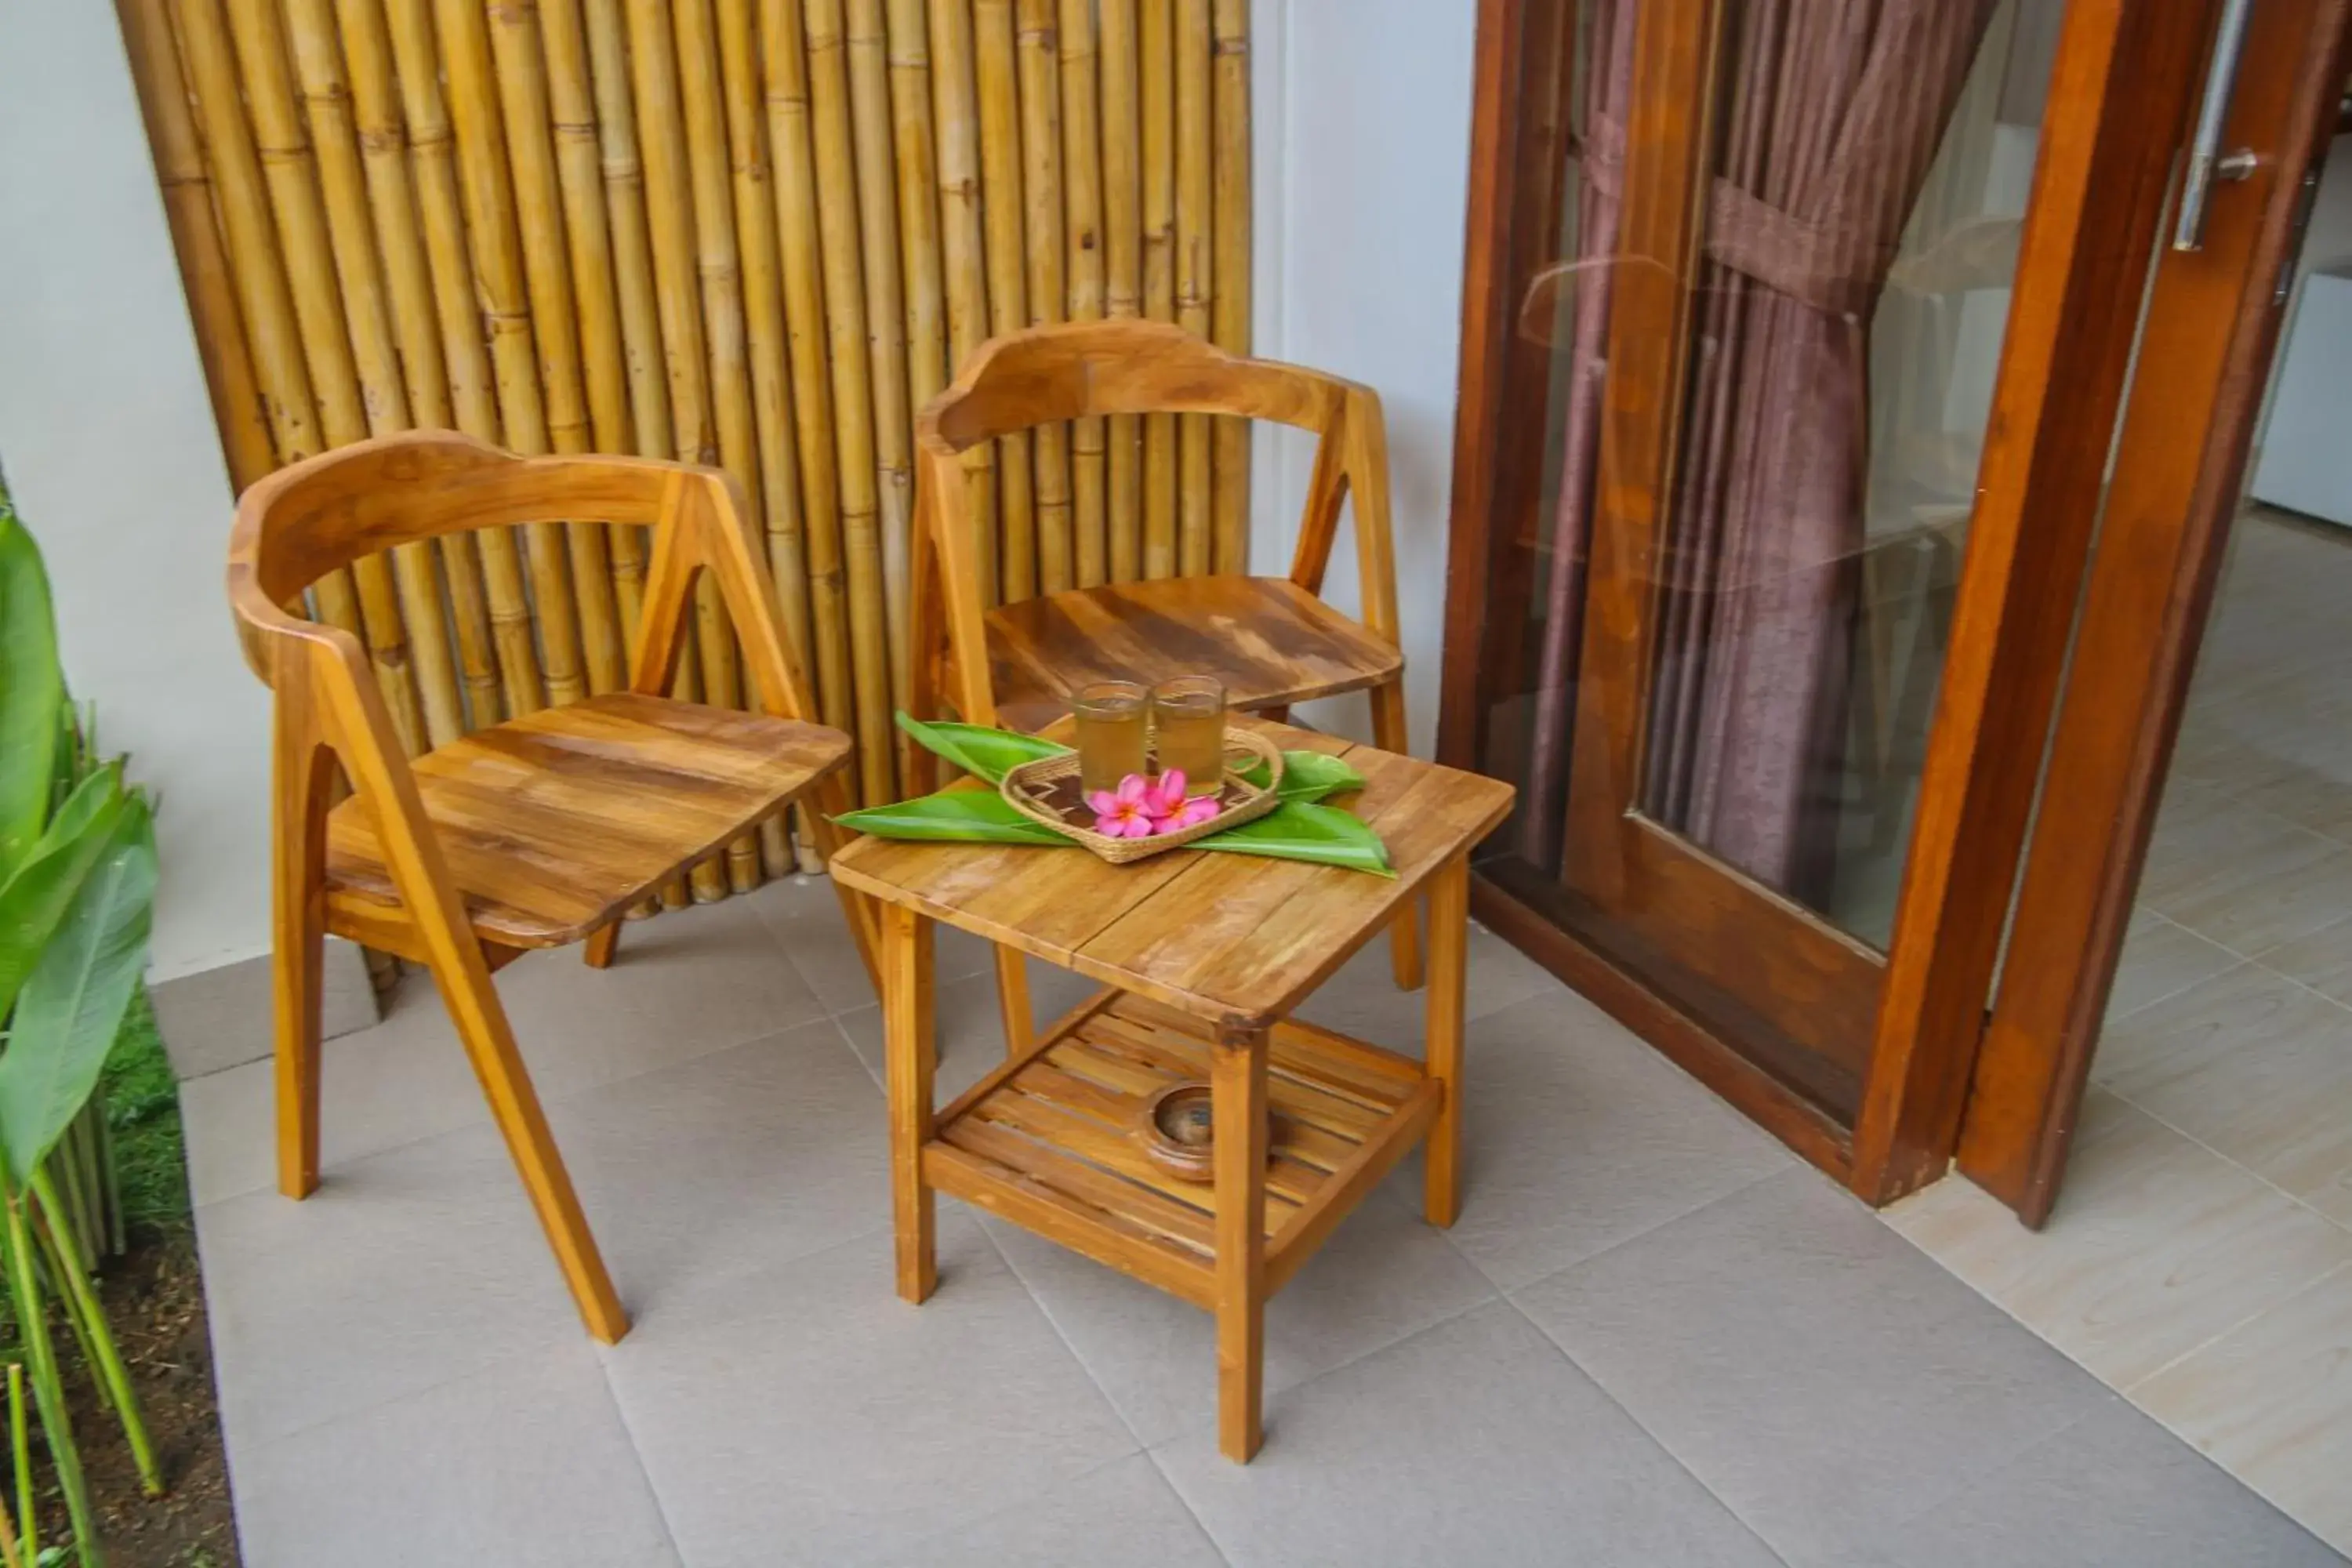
<point>1600,151</point>
<point>1835,111</point>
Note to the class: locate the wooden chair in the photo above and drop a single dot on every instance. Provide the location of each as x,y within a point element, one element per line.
<point>533,833</point>
<point>1271,640</point>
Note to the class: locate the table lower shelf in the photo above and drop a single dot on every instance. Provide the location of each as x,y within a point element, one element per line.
<point>1047,1141</point>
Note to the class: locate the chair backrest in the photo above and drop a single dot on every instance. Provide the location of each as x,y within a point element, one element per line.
<point>314,517</point>
<point>1082,369</point>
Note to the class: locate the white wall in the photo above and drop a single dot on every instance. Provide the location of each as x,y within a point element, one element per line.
<point>106,438</point>
<point>1362,155</point>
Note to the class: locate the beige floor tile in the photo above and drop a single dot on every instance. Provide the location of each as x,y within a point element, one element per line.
<point>2157,1247</point>
<point>2159,960</point>
<point>2272,1403</point>
<point>2248,879</point>
<point>2320,959</point>
<point>2252,1066</point>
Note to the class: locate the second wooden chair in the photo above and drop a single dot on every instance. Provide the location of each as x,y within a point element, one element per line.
<point>533,833</point>
<point>1272,641</point>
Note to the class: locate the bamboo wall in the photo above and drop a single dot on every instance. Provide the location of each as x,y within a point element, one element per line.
<point>755,233</point>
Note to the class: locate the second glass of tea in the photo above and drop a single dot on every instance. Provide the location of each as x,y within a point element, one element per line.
<point>1189,720</point>
<point>1113,721</point>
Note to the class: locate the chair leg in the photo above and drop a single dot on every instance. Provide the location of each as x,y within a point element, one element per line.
<point>488,1039</point>
<point>1404,933</point>
<point>602,944</point>
<point>295,976</point>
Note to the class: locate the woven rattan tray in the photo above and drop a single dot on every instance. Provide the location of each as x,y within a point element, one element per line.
<point>1030,786</point>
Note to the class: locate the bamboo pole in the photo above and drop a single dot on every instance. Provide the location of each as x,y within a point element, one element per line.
<point>385,151</point>
<point>484,180</point>
<point>1230,267</point>
<point>653,60</point>
<point>852,390</point>
<point>914,149</point>
<point>326,103</point>
<point>196,240</point>
<point>1196,281</point>
<point>779,498</point>
<point>1122,175</point>
<point>963,250</point>
<point>551,138</point>
<point>1082,194</point>
<point>996,79</point>
<point>721,264</point>
<point>440,210</point>
<point>291,174</point>
<point>791,137</point>
<point>1041,190</point>
<point>873,125</point>
<point>1157,71</point>
<point>763,315</point>
<point>648,434</point>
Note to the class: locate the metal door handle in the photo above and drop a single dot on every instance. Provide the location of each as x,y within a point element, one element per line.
<point>2207,162</point>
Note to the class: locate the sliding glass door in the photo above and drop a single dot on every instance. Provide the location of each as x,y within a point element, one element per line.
<point>1801,332</point>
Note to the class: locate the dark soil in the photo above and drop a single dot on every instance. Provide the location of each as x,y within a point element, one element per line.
<point>161,1325</point>
<point>156,1300</point>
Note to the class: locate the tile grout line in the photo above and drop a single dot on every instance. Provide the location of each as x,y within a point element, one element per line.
<point>1664,1448</point>
<point>2314,1283</point>
<point>2190,1138</point>
<point>638,1454</point>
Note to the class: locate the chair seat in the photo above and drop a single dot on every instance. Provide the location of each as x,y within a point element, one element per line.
<point>1269,641</point>
<point>555,823</point>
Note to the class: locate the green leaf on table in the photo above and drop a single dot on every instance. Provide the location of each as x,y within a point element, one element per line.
<point>983,752</point>
<point>953,816</point>
<point>34,899</point>
<point>71,1006</point>
<point>1308,776</point>
<point>1300,830</point>
<point>32,694</point>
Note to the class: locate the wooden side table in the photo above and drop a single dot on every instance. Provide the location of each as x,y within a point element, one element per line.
<point>1202,957</point>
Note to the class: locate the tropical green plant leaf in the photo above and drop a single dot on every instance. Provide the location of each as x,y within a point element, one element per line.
<point>1300,830</point>
<point>953,816</point>
<point>983,752</point>
<point>32,692</point>
<point>1311,775</point>
<point>34,899</point>
<point>72,1003</point>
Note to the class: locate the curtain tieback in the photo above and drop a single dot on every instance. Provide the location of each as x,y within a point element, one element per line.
<point>1836,268</point>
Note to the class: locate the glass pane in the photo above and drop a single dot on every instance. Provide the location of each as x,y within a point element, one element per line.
<point>1871,165</point>
<point>1860,242</point>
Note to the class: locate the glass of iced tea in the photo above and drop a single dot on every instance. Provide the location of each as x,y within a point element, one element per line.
<point>1189,718</point>
<point>1114,722</point>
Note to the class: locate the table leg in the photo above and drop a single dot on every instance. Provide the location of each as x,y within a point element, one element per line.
<point>909,1056</point>
<point>1449,953</point>
<point>1237,1112</point>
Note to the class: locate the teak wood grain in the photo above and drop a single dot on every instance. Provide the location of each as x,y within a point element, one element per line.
<point>1202,955</point>
<point>527,834</point>
<point>1272,641</point>
<point>1234,939</point>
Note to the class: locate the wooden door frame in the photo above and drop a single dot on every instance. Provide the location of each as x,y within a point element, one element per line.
<point>2121,92</point>
<point>2214,318</point>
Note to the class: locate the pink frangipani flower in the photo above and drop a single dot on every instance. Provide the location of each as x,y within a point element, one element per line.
<point>1126,812</point>
<point>1198,809</point>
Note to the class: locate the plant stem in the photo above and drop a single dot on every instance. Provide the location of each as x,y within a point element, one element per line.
<point>49,1390</point>
<point>8,1552</point>
<point>83,1304</point>
<point>47,1232</point>
<point>20,1442</point>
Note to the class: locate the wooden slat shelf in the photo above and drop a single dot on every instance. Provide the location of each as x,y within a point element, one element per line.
<point>1048,1140</point>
